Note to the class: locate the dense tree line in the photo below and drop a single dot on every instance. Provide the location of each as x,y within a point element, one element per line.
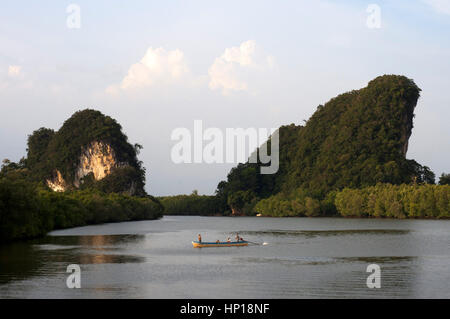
<point>444,179</point>
<point>381,200</point>
<point>299,202</point>
<point>397,201</point>
<point>29,210</point>
<point>193,204</point>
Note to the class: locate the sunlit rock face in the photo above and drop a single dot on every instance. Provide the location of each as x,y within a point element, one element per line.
<point>57,183</point>
<point>97,158</point>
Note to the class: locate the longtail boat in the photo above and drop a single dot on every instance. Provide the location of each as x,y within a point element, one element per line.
<point>202,244</point>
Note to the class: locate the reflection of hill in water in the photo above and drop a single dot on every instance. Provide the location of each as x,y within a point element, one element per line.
<point>91,240</point>
<point>52,254</point>
<point>312,260</point>
<point>323,233</point>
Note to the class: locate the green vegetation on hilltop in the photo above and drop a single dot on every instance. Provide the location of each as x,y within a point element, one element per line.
<point>49,150</point>
<point>357,139</point>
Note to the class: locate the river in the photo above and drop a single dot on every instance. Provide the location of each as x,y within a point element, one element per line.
<point>301,258</point>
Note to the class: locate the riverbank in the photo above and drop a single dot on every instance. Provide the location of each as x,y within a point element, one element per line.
<point>29,211</point>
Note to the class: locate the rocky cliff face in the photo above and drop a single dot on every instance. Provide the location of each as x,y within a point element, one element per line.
<point>57,183</point>
<point>406,131</point>
<point>97,158</point>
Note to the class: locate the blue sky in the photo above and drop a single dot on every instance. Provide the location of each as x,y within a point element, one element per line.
<point>284,58</point>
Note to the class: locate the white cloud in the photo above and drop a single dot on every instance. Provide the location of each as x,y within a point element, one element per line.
<point>158,66</point>
<point>440,6</point>
<point>237,69</point>
<point>13,78</point>
<point>234,69</point>
<point>14,70</point>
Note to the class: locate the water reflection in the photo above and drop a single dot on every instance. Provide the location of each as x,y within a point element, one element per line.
<point>108,259</point>
<point>303,258</point>
<point>378,259</point>
<point>323,233</point>
<point>50,255</point>
<point>19,261</point>
<point>312,260</point>
<point>90,240</point>
<point>330,277</point>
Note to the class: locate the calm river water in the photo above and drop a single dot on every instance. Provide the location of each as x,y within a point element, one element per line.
<point>303,258</point>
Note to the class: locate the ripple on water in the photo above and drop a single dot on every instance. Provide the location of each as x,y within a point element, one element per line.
<point>323,233</point>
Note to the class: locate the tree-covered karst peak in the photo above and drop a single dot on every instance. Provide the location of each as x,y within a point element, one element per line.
<point>89,150</point>
<point>359,138</point>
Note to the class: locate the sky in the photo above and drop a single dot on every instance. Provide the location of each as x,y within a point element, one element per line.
<point>156,66</point>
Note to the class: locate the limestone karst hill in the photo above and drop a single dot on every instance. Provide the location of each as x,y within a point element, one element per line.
<point>89,150</point>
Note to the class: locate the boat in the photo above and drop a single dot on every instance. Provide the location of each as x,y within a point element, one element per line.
<point>197,244</point>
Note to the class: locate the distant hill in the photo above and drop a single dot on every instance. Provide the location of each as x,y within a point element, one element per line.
<point>356,139</point>
<point>89,150</point>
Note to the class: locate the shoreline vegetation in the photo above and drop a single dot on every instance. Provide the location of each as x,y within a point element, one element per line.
<point>29,211</point>
<point>380,201</point>
<point>192,205</point>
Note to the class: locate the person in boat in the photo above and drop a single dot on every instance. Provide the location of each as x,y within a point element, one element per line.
<point>228,240</point>
<point>241,239</point>
<point>237,237</point>
<point>217,241</point>
<point>199,238</point>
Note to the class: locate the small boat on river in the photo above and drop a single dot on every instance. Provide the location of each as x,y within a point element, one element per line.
<point>202,244</point>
